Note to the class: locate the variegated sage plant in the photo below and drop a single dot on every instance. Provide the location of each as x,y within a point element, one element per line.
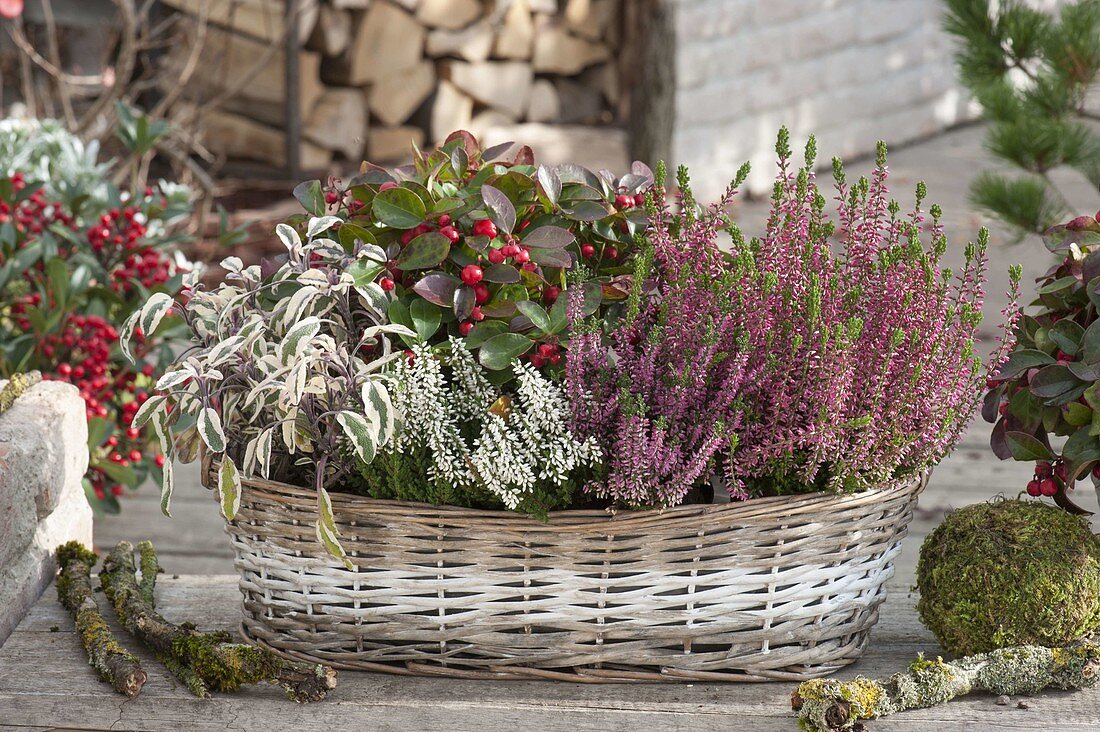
<point>285,375</point>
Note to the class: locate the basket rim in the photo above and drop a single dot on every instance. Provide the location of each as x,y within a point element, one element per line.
<point>755,510</point>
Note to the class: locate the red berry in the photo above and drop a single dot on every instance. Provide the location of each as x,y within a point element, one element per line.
<point>386,186</point>
<point>537,361</point>
<point>112,441</point>
<point>147,369</point>
<point>992,383</point>
<point>624,201</point>
<point>485,227</point>
<point>132,433</point>
<point>476,315</point>
<point>587,250</point>
<point>450,232</point>
<point>331,197</point>
<point>1048,487</point>
<point>481,294</point>
<point>612,253</point>
<point>1033,488</point>
<point>116,490</point>
<point>472,274</point>
<point>465,327</point>
<point>530,266</point>
<point>546,350</point>
<point>65,369</point>
<point>135,456</point>
<point>159,460</point>
<point>639,199</point>
<point>1043,469</point>
<point>386,284</point>
<point>99,493</point>
<point>523,256</point>
<point>555,359</point>
<point>445,220</point>
<point>496,256</point>
<point>551,294</point>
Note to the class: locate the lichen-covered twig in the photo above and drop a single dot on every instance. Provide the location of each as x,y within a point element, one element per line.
<point>825,705</point>
<point>16,386</point>
<point>209,658</point>
<point>111,661</point>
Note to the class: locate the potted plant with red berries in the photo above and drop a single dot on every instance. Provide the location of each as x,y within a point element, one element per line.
<point>645,460</point>
<point>77,257</point>
<point>1047,390</point>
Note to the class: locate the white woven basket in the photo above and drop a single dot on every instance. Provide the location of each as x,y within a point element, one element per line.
<point>775,588</point>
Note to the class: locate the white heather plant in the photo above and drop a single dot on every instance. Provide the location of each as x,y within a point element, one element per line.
<point>286,375</point>
<point>463,442</point>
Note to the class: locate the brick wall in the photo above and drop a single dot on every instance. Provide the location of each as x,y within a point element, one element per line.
<point>850,71</point>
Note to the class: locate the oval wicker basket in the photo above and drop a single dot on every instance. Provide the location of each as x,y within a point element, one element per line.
<point>783,588</point>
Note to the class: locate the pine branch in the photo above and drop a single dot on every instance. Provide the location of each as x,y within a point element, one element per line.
<point>111,661</point>
<point>201,660</point>
<point>828,705</point>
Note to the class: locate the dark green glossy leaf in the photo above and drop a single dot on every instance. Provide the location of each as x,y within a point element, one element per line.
<point>536,314</point>
<point>423,252</point>
<point>1053,381</point>
<point>502,274</point>
<point>1067,335</point>
<point>483,331</point>
<point>426,318</point>
<point>1020,361</point>
<point>310,195</point>
<point>399,208</point>
<point>549,237</point>
<point>498,352</point>
<point>1026,448</point>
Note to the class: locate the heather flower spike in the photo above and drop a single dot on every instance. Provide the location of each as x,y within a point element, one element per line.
<point>826,354</point>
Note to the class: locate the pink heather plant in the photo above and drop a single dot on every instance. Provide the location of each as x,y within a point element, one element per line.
<point>787,364</point>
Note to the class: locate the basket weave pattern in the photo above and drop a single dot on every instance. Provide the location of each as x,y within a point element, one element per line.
<point>781,588</point>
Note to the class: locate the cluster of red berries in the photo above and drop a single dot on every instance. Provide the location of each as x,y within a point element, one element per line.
<point>1047,479</point>
<point>546,353</point>
<point>84,345</point>
<point>34,213</point>
<point>117,238</point>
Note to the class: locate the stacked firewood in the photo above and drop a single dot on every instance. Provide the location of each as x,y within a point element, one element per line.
<point>376,75</point>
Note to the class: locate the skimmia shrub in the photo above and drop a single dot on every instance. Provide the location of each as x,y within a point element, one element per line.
<point>1048,387</point>
<point>77,257</point>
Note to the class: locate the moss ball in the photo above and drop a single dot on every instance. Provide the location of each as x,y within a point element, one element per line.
<point>1009,573</point>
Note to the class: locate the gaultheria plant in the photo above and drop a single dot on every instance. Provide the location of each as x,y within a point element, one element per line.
<point>867,369</point>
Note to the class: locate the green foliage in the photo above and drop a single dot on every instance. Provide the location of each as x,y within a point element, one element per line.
<point>1047,389</point>
<point>520,226</point>
<point>1031,71</point>
<point>78,256</point>
<point>1009,573</point>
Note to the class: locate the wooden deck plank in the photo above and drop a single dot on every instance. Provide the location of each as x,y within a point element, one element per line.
<point>44,679</point>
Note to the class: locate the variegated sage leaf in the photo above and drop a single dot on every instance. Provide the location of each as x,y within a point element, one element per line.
<point>362,435</point>
<point>229,488</point>
<point>210,429</point>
